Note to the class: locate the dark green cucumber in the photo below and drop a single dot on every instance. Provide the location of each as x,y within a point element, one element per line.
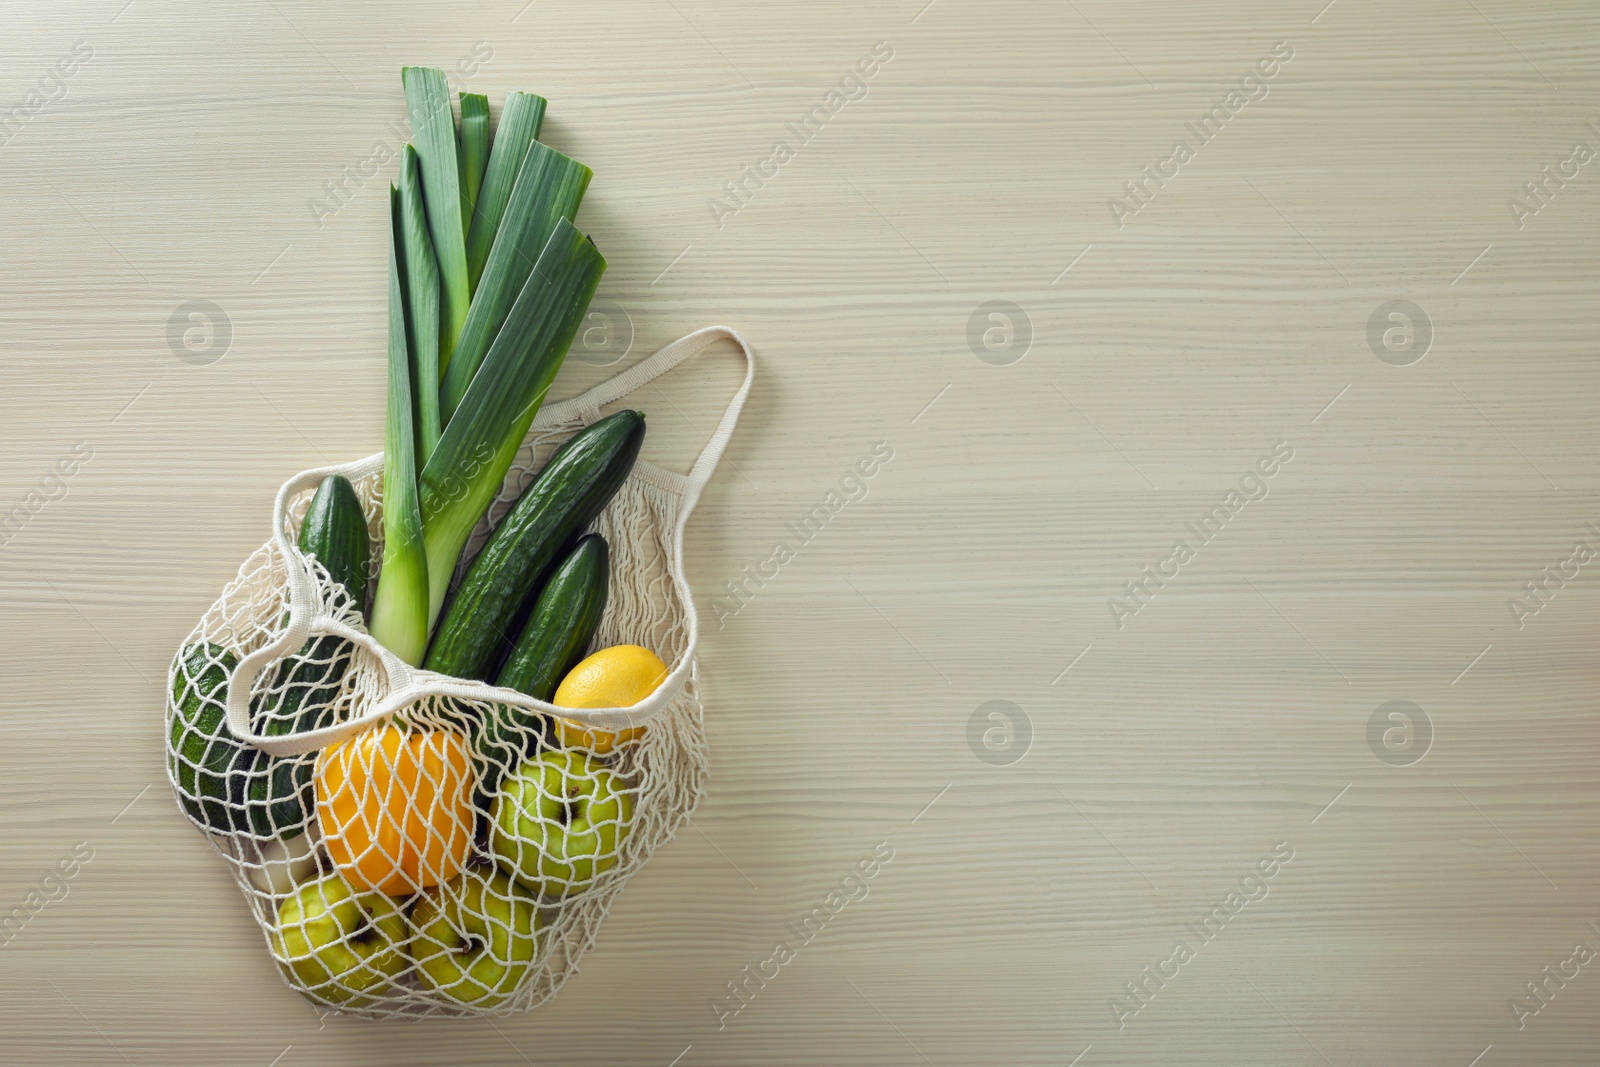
<point>335,531</point>
<point>558,633</point>
<point>272,795</point>
<point>224,784</point>
<point>200,750</point>
<point>562,623</point>
<point>573,488</point>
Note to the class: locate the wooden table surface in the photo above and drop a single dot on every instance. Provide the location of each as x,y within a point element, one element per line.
<point>1081,345</point>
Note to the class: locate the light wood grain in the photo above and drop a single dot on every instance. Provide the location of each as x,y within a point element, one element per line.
<point>1223,718</point>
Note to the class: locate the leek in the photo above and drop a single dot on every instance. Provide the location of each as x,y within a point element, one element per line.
<point>520,120</point>
<point>465,471</point>
<point>549,188</point>
<point>474,157</point>
<point>400,609</point>
<point>421,273</point>
<point>433,126</point>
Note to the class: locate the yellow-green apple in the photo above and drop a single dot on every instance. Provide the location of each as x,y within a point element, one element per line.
<point>476,938</point>
<point>343,946</point>
<point>558,822</point>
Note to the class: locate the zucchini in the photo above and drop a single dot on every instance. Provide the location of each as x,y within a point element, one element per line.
<point>223,784</point>
<point>272,796</point>
<point>562,623</point>
<point>574,487</point>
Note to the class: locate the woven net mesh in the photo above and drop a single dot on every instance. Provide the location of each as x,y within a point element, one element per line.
<point>457,857</point>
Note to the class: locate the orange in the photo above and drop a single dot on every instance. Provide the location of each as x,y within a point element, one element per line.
<point>395,807</point>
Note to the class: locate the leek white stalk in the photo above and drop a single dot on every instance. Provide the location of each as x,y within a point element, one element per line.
<point>400,608</point>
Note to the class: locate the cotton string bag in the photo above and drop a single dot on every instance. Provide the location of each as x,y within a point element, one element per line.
<point>283,634</point>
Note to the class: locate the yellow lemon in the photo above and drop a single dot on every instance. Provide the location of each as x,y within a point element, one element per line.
<point>615,677</point>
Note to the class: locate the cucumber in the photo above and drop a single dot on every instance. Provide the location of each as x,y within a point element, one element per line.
<point>573,488</point>
<point>562,623</point>
<point>335,531</point>
<point>273,796</point>
<point>228,786</point>
<point>200,751</point>
<point>557,635</point>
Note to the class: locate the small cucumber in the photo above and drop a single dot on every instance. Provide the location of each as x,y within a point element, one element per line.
<point>562,623</point>
<point>573,488</point>
<point>273,796</point>
<point>335,531</point>
<point>557,635</point>
<point>200,750</point>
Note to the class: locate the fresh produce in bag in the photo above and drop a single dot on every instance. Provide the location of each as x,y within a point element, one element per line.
<point>446,711</point>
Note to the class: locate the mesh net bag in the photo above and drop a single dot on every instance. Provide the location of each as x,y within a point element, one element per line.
<point>413,844</point>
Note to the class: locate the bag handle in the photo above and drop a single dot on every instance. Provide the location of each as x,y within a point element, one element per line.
<point>587,406</point>
<point>402,678</point>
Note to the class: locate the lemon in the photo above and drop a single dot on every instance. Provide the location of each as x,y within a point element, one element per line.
<point>615,677</point>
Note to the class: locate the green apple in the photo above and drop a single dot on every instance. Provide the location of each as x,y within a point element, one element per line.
<point>342,946</point>
<point>558,822</point>
<point>476,937</point>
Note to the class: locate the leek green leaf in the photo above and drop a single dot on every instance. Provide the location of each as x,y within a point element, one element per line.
<point>520,120</point>
<point>400,608</point>
<point>466,470</point>
<point>549,188</point>
<point>421,276</point>
<point>474,155</point>
<point>433,129</point>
